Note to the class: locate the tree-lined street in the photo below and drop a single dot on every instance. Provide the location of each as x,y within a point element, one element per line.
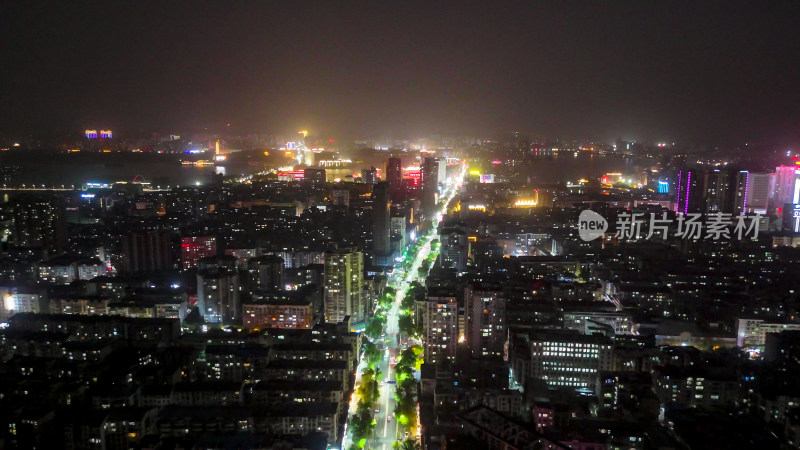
<point>387,363</point>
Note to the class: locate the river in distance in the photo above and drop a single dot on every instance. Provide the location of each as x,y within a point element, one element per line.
<point>168,171</point>
<point>569,166</point>
<point>158,171</point>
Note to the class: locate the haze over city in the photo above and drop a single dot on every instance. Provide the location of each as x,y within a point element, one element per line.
<point>399,225</point>
<point>680,71</point>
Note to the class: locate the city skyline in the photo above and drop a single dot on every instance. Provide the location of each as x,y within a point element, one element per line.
<point>669,72</point>
<point>399,225</point>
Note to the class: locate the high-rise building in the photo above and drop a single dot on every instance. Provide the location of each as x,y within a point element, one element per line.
<point>689,192</point>
<point>344,277</point>
<point>740,188</point>
<point>266,272</point>
<point>41,223</point>
<point>566,358</point>
<point>437,314</point>
<point>790,209</point>
<point>195,247</point>
<point>455,248</point>
<point>369,176</point>
<point>147,251</point>
<point>429,185</point>
<point>441,171</point>
<point>394,176</point>
<point>785,180</point>
<point>398,232</point>
<point>381,219</point>
<point>716,191</point>
<point>752,192</point>
<point>484,321</point>
<point>218,296</point>
<point>758,192</point>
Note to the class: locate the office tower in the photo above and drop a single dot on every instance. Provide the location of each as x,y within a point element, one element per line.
<point>716,190</point>
<point>394,176</point>
<point>689,192</point>
<point>566,358</point>
<point>455,248</point>
<point>39,222</point>
<point>369,176</point>
<point>381,219</point>
<point>785,180</point>
<point>266,272</point>
<point>398,233</point>
<point>430,185</point>
<point>147,251</point>
<point>758,193</point>
<point>344,278</point>
<point>752,192</point>
<point>485,327</point>
<point>195,247</point>
<point>437,314</point>
<point>218,296</point>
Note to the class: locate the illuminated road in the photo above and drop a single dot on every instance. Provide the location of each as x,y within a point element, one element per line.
<point>386,431</point>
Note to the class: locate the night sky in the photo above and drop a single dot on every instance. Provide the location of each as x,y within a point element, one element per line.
<point>722,71</point>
